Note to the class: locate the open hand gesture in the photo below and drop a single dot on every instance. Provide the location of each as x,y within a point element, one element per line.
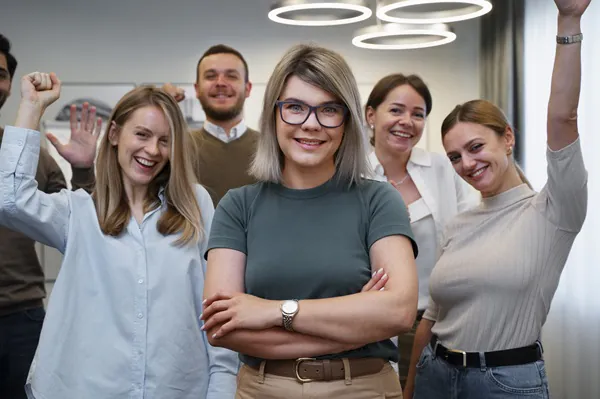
<point>572,8</point>
<point>80,151</point>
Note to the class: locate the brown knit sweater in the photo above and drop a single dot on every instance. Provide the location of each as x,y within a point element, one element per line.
<point>222,166</point>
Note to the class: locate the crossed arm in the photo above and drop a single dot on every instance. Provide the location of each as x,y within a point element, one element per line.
<point>253,325</point>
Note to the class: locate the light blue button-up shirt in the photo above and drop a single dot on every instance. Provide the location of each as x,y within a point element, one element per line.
<point>122,322</point>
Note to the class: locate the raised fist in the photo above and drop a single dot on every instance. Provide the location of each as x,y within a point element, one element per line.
<point>176,92</point>
<point>40,89</point>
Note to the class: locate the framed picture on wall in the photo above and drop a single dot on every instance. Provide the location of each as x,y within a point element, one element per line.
<point>104,96</point>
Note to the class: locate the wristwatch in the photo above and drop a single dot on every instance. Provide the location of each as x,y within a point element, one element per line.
<point>569,39</point>
<point>288,311</point>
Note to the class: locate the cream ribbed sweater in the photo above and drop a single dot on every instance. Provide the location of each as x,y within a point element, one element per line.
<point>501,262</point>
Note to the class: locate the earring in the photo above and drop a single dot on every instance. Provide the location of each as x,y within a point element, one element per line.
<point>372,127</point>
<point>510,151</point>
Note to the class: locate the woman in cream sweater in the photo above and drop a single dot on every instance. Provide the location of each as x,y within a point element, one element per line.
<point>501,262</point>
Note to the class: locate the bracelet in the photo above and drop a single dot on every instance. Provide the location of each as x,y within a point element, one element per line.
<point>569,39</point>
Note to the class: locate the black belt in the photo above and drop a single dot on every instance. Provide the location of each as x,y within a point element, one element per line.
<point>508,357</point>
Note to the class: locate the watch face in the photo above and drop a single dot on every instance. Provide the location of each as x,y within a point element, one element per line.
<point>289,307</point>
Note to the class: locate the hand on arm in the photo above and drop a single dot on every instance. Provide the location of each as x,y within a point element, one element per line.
<point>252,325</point>
<point>381,314</point>
<point>369,317</point>
<point>566,77</point>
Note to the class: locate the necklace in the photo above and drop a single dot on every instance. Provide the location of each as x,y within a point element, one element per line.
<point>403,179</point>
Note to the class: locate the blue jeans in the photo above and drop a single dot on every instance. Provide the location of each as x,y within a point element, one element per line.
<point>437,379</point>
<point>19,336</point>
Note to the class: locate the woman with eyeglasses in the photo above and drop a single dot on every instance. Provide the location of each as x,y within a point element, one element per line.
<point>289,257</point>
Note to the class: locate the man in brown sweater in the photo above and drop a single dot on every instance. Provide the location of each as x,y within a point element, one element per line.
<point>22,287</point>
<point>224,147</point>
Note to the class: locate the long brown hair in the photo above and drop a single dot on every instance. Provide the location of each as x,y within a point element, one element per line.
<point>177,177</point>
<point>486,114</point>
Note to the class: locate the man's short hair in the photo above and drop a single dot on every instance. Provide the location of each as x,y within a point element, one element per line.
<point>10,59</point>
<point>222,49</point>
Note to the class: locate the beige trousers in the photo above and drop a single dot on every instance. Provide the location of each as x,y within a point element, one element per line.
<point>251,384</point>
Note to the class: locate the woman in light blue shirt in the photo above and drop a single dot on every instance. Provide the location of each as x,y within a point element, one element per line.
<point>123,318</point>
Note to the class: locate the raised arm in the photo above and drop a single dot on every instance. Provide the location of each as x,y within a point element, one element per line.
<point>566,76</point>
<point>24,208</point>
<point>80,151</point>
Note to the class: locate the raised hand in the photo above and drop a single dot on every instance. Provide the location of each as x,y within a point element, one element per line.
<point>80,151</point>
<point>572,8</point>
<point>38,91</point>
<point>176,92</point>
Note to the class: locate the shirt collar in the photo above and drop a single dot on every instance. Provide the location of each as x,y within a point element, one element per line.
<point>236,132</point>
<point>161,194</point>
<point>418,156</point>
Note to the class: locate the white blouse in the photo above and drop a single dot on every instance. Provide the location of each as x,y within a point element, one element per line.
<point>444,194</point>
<point>423,227</point>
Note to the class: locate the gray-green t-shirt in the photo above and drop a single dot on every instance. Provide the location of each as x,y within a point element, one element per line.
<point>310,244</point>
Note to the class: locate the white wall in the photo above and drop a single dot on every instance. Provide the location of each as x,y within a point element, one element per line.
<point>572,331</point>
<point>142,41</point>
<point>155,40</point>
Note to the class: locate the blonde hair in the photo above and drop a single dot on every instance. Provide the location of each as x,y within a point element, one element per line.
<point>483,113</point>
<point>327,70</point>
<point>177,177</point>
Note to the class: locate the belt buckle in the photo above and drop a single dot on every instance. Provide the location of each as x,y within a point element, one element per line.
<point>299,361</point>
<point>463,353</point>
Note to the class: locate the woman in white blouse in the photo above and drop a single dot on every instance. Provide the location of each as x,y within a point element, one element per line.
<point>396,111</point>
<point>122,322</point>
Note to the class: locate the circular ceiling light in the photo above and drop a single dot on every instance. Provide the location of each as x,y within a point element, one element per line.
<point>403,37</point>
<point>305,13</point>
<point>394,11</point>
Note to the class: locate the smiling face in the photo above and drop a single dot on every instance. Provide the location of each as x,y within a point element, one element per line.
<point>481,156</point>
<point>308,145</point>
<point>398,122</point>
<point>221,87</point>
<point>143,145</point>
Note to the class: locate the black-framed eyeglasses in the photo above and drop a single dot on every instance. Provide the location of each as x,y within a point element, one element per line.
<point>328,115</point>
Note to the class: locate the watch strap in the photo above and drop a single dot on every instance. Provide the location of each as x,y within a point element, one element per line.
<point>569,39</point>
<point>287,322</point>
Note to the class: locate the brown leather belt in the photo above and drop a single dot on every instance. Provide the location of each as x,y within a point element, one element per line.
<point>308,369</point>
